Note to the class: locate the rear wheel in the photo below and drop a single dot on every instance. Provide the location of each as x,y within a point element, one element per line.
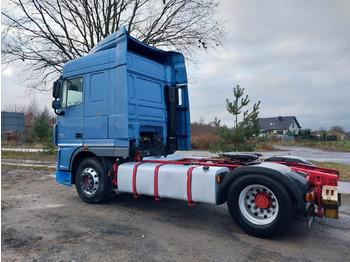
<point>259,205</point>
<point>91,181</point>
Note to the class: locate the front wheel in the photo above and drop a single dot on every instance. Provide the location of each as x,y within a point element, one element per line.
<point>91,181</point>
<point>259,205</point>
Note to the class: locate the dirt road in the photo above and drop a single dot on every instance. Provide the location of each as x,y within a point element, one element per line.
<point>45,221</point>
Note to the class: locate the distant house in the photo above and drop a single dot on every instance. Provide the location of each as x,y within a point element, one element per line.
<point>283,127</point>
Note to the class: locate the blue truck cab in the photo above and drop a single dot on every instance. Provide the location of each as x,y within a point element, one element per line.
<point>122,100</point>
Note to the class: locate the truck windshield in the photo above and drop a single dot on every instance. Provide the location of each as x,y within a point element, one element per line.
<point>72,92</point>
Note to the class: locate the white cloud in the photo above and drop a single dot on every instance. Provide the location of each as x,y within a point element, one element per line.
<point>14,91</point>
<point>293,56</point>
<point>7,71</point>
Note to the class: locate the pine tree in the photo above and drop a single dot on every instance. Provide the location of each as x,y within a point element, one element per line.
<point>41,127</point>
<point>244,134</point>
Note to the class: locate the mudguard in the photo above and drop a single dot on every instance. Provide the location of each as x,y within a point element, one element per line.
<point>296,184</point>
<point>82,153</point>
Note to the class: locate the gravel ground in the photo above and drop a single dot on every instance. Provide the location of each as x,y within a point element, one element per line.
<point>45,221</point>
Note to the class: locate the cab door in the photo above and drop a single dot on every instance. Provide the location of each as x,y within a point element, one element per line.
<point>96,109</point>
<point>70,123</point>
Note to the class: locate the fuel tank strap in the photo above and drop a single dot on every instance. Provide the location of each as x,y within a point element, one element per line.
<point>134,179</point>
<point>189,185</point>
<point>156,181</point>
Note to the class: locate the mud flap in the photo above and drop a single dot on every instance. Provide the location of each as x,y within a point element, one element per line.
<point>310,214</point>
<point>64,178</point>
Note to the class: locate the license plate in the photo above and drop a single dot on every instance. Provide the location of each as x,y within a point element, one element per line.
<point>310,214</point>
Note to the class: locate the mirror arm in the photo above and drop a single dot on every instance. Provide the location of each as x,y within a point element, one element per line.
<point>61,113</point>
<point>55,106</point>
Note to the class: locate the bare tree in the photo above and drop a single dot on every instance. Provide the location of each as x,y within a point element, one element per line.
<point>15,108</point>
<point>45,34</point>
<point>338,129</point>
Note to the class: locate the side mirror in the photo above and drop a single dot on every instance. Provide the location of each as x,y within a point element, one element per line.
<point>55,104</point>
<point>56,89</point>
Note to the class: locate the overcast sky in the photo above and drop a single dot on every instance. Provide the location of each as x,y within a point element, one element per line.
<point>293,56</point>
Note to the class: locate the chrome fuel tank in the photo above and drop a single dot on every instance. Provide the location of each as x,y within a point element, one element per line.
<point>184,182</point>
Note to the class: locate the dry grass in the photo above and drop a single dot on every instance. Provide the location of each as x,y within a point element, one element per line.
<point>37,156</point>
<point>339,146</point>
<point>29,167</point>
<point>264,146</point>
<point>203,141</point>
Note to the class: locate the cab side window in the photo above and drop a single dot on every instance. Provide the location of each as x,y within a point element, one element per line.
<point>72,92</point>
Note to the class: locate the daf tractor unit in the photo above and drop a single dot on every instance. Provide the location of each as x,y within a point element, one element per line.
<point>123,110</point>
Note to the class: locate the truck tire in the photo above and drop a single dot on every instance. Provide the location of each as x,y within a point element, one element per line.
<point>91,181</point>
<point>259,205</point>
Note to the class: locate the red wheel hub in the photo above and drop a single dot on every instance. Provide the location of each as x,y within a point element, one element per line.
<point>263,200</point>
<point>86,181</point>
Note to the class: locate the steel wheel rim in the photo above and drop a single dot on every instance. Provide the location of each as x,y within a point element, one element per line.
<point>263,215</point>
<point>89,181</point>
